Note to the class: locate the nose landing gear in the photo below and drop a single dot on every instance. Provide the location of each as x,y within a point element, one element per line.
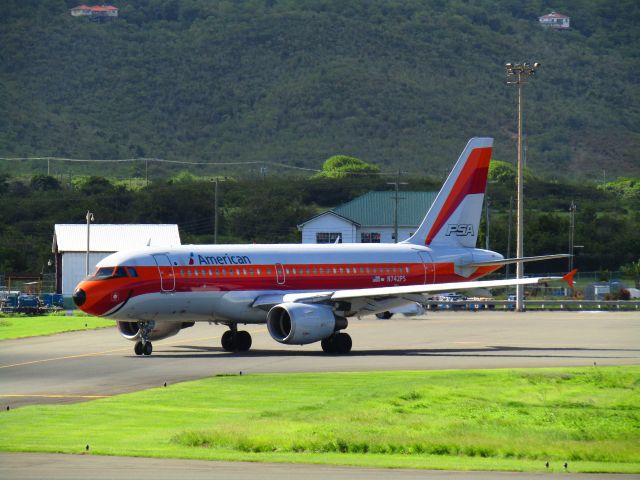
<point>144,346</point>
<point>236,341</point>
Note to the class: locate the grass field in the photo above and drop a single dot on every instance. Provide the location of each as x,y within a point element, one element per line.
<point>21,326</point>
<point>487,420</point>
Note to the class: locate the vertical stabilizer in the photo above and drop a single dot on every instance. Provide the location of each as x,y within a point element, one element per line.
<point>454,217</point>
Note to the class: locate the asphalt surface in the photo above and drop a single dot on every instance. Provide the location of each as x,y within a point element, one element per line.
<point>28,466</point>
<point>85,365</point>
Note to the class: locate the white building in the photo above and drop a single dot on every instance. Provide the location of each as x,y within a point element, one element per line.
<point>369,219</point>
<point>70,247</point>
<point>554,20</point>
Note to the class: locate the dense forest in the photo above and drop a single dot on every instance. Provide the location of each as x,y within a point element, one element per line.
<point>264,210</point>
<point>398,84</point>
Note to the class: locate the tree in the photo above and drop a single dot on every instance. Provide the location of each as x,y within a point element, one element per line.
<point>632,269</point>
<point>44,182</point>
<point>340,166</point>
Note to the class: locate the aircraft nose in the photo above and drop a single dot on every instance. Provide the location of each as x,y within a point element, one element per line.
<point>79,297</point>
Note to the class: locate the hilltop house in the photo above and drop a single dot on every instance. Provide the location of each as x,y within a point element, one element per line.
<point>554,20</point>
<point>96,12</point>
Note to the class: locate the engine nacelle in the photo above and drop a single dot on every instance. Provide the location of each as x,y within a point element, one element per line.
<point>299,323</point>
<point>161,330</point>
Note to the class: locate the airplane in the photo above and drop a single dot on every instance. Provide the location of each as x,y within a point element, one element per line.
<point>305,293</point>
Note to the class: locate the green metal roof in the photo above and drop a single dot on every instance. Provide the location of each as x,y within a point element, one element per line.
<point>376,209</point>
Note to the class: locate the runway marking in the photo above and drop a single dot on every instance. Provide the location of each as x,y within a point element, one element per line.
<point>115,350</point>
<point>20,395</point>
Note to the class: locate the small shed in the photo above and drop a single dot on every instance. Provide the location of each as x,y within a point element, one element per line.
<point>70,246</point>
<point>555,20</point>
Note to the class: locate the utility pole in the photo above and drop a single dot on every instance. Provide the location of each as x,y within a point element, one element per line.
<point>487,223</point>
<point>215,213</point>
<point>510,223</point>
<point>397,184</point>
<point>572,228</point>
<point>89,218</point>
<point>517,74</point>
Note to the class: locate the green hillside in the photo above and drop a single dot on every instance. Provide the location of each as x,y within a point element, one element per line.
<point>398,84</point>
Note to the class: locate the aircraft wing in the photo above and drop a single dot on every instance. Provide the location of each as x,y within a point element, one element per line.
<point>372,300</point>
<point>381,292</point>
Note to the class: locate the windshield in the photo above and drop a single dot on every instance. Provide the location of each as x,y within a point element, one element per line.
<point>105,273</point>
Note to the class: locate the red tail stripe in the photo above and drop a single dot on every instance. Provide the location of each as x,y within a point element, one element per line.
<point>472,179</point>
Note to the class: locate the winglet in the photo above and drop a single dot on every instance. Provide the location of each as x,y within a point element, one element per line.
<point>569,277</point>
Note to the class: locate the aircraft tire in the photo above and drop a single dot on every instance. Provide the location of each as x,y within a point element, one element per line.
<point>328,344</point>
<point>138,348</point>
<point>243,341</point>
<point>147,349</point>
<point>228,341</point>
<point>343,343</point>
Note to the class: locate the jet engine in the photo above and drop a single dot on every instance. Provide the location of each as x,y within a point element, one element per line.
<point>131,330</point>
<point>300,323</point>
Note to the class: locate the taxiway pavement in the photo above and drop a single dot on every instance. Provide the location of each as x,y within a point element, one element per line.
<point>79,366</point>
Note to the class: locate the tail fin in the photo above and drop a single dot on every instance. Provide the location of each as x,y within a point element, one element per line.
<point>454,217</point>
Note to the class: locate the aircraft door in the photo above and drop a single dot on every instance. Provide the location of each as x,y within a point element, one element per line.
<point>167,275</point>
<point>280,278</point>
<point>429,267</point>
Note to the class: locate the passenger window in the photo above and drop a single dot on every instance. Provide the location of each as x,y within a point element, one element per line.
<point>132,272</point>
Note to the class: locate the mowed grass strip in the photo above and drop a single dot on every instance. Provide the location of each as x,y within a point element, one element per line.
<point>498,420</point>
<point>21,326</point>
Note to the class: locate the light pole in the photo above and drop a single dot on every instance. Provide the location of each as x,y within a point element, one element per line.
<point>572,229</point>
<point>397,184</point>
<point>517,74</point>
<point>89,218</point>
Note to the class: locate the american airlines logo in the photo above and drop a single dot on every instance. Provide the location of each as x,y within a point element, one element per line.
<point>225,259</point>
<point>459,229</point>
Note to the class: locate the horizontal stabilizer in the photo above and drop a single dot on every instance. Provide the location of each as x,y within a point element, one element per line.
<point>506,261</point>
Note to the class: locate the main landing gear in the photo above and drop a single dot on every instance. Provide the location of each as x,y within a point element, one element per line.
<point>236,341</point>
<point>144,346</point>
<point>339,342</point>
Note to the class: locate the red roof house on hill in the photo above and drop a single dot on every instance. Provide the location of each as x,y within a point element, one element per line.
<point>554,20</point>
<point>95,12</point>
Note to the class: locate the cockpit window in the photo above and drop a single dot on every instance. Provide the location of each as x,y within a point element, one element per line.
<point>132,272</point>
<point>105,273</point>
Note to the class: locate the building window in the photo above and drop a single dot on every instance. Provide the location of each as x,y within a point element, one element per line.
<point>328,237</point>
<point>369,237</point>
